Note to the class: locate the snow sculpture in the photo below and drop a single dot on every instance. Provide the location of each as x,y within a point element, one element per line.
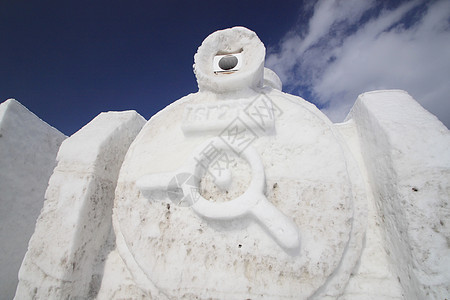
<point>241,191</point>
<point>217,189</point>
<point>253,202</point>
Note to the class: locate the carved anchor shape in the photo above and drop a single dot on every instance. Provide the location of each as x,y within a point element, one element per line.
<point>253,203</point>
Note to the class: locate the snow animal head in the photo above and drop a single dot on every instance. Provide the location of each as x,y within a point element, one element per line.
<point>230,60</point>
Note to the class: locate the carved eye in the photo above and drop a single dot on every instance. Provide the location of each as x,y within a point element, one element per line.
<point>228,62</point>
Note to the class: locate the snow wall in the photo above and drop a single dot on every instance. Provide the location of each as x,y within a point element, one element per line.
<point>76,219</point>
<point>28,148</point>
<point>406,153</point>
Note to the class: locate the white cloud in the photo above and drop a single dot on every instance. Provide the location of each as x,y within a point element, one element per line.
<point>336,61</point>
<point>326,14</point>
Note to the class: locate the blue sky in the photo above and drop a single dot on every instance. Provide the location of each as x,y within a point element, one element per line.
<point>67,61</point>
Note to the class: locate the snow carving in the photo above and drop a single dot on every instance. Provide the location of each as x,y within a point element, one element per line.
<point>257,114</point>
<point>239,190</point>
<point>253,203</point>
<point>209,199</point>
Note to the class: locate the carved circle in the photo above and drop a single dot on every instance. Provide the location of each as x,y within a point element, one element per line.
<point>228,62</point>
<point>237,259</point>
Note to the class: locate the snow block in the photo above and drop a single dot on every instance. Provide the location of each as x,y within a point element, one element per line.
<point>76,219</point>
<point>28,148</point>
<point>406,151</point>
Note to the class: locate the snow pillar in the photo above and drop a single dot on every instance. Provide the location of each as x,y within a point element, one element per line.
<point>28,148</point>
<point>407,154</point>
<point>76,218</point>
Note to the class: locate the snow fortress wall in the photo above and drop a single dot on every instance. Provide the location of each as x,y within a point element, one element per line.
<point>28,148</point>
<point>76,218</point>
<point>406,151</point>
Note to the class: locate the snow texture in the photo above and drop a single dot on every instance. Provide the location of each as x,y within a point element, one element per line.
<point>307,179</point>
<point>271,79</point>
<point>28,148</point>
<point>232,40</point>
<point>406,151</point>
<point>76,219</point>
<point>251,203</point>
<point>292,175</point>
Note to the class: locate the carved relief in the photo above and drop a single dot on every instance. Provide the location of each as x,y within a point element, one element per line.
<point>225,203</point>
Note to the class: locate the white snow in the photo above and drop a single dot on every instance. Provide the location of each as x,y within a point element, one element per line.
<point>28,148</point>
<point>251,203</point>
<point>76,219</point>
<point>373,278</point>
<point>312,189</point>
<point>291,176</point>
<point>406,151</point>
<point>232,40</point>
<point>271,79</point>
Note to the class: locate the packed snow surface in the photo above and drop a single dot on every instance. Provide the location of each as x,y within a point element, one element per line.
<point>406,152</point>
<point>28,148</point>
<point>76,219</point>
